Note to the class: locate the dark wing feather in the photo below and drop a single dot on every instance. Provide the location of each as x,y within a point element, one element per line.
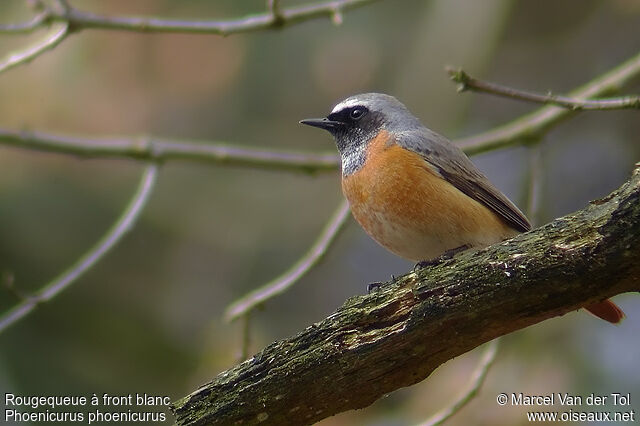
<point>454,166</point>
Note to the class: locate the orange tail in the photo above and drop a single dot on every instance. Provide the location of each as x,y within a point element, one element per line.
<point>607,310</point>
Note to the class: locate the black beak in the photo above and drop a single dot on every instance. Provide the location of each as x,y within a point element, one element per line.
<point>323,123</point>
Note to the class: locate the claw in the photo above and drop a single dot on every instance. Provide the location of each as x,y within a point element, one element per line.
<point>425,263</point>
<point>371,287</point>
<point>449,254</point>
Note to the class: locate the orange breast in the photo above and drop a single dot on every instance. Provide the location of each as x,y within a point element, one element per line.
<point>407,207</point>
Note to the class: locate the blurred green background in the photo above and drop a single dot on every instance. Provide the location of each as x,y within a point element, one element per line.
<point>148,318</point>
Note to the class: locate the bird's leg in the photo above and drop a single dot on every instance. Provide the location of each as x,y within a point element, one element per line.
<point>449,254</point>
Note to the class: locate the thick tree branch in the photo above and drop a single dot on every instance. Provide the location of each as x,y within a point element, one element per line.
<point>477,379</point>
<point>377,343</point>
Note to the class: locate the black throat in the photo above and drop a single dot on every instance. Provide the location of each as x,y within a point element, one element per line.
<point>352,141</point>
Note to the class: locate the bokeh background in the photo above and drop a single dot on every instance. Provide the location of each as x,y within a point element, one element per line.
<point>148,318</point>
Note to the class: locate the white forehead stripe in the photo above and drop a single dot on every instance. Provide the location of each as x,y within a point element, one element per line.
<point>346,104</point>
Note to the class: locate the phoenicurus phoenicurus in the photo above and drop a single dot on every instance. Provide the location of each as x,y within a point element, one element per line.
<point>413,191</point>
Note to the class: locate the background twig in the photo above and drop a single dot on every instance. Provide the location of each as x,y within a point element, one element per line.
<point>27,26</point>
<point>477,379</point>
<point>80,20</point>
<point>532,126</point>
<point>290,16</point>
<point>69,19</point>
<point>55,37</point>
<point>274,7</point>
<point>525,129</point>
<point>466,82</point>
<point>534,184</point>
<point>300,268</point>
<point>124,223</point>
<point>146,148</point>
<point>245,343</point>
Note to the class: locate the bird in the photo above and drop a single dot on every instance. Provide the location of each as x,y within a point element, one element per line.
<point>415,192</point>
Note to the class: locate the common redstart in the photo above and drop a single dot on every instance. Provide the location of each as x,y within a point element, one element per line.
<point>416,193</point>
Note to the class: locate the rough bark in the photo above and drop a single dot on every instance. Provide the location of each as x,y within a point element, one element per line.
<point>377,343</point>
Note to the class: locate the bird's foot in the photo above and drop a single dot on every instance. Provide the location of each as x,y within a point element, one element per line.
<point>371,287</point>
<point>425,263</point>
<point>449,254</point>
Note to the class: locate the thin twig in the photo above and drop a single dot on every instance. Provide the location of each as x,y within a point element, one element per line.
<point>59,32</point>
<point>146,148</point>
<point>37,21</point>
<point>274,7</point>
<point>294,273</point>
<point>532,126</point>
<point>525,129</point>
<point>124,223</point>
<point>466,82</point>
<point>534,184</point>
<point>86,20</point>
<point>69,18</point>
<point>479,375</point>
<point>294,15</point>
<point>245,346</point>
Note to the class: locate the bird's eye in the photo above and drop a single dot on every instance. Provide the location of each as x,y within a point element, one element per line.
<point>357,113</point>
